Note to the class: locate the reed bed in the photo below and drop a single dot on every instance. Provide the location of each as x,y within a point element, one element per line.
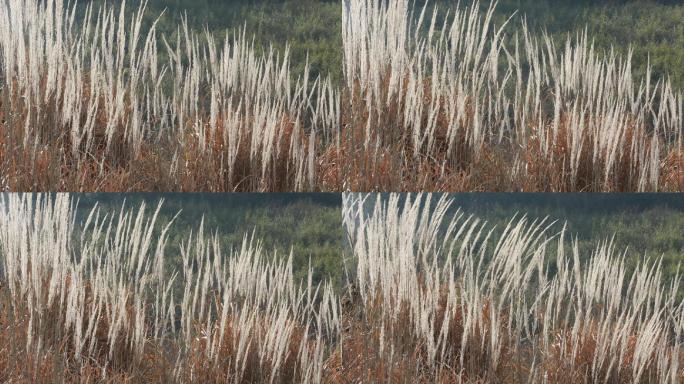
<point>431,297</point>
<point>443,301</point>
<point>465,104</point>
<point>93,302</point>
<point>107,104</point>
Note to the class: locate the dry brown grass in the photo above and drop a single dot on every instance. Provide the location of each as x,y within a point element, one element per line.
<point>363,355</point>
<point>460,108</point>
<point>53,359</point>
<point>234,119</point>
<point>378,347</point>
<point>561,367</point>
<point>197,365</point>
<point>92,114</point>
<point>376,162</point>
<point>166,165</point>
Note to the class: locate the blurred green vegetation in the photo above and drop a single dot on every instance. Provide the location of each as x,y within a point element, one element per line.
<point>311,28</point>
<point>653,28</point>
<point>644,226</point>
<point>309,225</point>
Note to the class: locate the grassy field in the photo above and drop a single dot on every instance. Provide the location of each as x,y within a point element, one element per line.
<point>431,297</point>
<point>468,104</point>
<point>120,99</point>
<point>651,27</point>
<point>308,225</point>
<point>646,226</point>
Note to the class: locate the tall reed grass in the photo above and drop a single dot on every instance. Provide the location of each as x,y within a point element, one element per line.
<point>92,301</point>
<point>430,297</point>
<point>443,301</point>
<point>465,104</point>
<point>108,104</point>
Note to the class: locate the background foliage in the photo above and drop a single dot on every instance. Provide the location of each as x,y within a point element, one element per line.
<point>653,28</point>
<point>643,225</point>
<point>309,225</point>
<point>646,226</point>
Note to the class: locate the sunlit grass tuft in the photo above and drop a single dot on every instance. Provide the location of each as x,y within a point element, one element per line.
<point>430,297</point>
